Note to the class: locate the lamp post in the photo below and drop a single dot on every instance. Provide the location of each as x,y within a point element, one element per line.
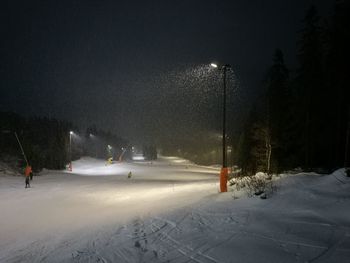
<point>109,154</point>
<point>93,143</point>
<point>70,151</point>
<point>224,169</point>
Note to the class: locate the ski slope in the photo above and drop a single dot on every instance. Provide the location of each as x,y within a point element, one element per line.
<point>170,211</point>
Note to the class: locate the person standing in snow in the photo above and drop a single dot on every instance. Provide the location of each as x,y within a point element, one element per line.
<point>27,173</point>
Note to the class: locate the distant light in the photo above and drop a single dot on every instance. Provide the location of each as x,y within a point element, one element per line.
<point>91,135</point>
<point>109,147</point>
<point>71,133</point>
<point>214,65</point>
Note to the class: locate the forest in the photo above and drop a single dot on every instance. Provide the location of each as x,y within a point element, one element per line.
<point>49,143</point>
<point>302,117</point>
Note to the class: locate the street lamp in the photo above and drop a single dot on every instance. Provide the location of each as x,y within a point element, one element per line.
<point>109,154</point>
<point>109,151</point>
<point>93,139</point>
<point>224,169</point>
<point>70,150</point>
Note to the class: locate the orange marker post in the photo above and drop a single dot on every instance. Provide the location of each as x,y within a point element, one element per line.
<point>223,179</point>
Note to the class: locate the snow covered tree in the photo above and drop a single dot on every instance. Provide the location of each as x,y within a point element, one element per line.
<point>254,147</point>
<point>264,142</point>
<point>261,148</point>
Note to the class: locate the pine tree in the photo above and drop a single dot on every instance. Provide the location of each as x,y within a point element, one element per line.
<point>311,90</point>
<point>277,113</point>
<point>261,149</point>
<point>264,143</point>
<point>338,63</point>
<point>254,146</point>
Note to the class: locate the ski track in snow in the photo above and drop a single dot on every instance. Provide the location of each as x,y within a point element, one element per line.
<point>171,212</point>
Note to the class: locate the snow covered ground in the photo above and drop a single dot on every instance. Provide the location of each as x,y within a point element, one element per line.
<point>170,211</point>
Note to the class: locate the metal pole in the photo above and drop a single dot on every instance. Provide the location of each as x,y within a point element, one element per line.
<point>70,147</point>
<point>70,151</point>
<point>224,152</point>
<point>20,145</point>
<point>224,169</point>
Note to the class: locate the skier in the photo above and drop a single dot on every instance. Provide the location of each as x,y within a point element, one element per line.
<point>27,173</point>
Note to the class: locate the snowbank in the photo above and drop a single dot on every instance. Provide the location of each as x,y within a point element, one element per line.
<point>170,212</point>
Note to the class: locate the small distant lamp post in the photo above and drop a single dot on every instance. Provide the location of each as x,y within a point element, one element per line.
<point>109,150</point>
<point>109,154</point>
<point>93,139</point>
<point>70,151</point>
<point>224,169</point>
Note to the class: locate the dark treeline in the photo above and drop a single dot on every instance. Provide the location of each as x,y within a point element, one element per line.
<point>96,143</point>
<point>149,152</point>
<point>201,147</point>
<point>46,142</point>
<point>302,118</point>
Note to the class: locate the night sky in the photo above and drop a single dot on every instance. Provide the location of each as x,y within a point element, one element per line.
<point>138,68</point>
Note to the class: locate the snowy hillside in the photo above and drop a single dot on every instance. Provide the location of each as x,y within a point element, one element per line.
<point>170,211</point>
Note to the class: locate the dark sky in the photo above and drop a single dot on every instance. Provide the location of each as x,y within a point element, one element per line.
<point>126,65</point>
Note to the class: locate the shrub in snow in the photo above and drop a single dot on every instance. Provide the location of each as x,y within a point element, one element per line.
<point>10,165</point>
<point>258,184</point>
<point>263,196</point>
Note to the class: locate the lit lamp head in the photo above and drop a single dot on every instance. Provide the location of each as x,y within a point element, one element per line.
<point>226,66</point>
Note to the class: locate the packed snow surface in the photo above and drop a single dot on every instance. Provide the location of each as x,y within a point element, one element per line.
<point>170,211</point>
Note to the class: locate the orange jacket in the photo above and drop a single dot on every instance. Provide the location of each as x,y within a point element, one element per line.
<point>28,170</point>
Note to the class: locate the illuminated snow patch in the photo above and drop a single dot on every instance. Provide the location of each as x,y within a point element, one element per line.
<point>138,158</point>
<point>180,161</point>
<point>92,167</point>
<point>107,196</point>
<point>107,170</point>
<point>143,195</point>
<point>174,159</point>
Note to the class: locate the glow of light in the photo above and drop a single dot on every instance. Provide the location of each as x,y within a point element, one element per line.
<point>98,169</point>
<point>71,133</point>
<point>214,65</point>
<point>180,161</point>
<point>138,158</point>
